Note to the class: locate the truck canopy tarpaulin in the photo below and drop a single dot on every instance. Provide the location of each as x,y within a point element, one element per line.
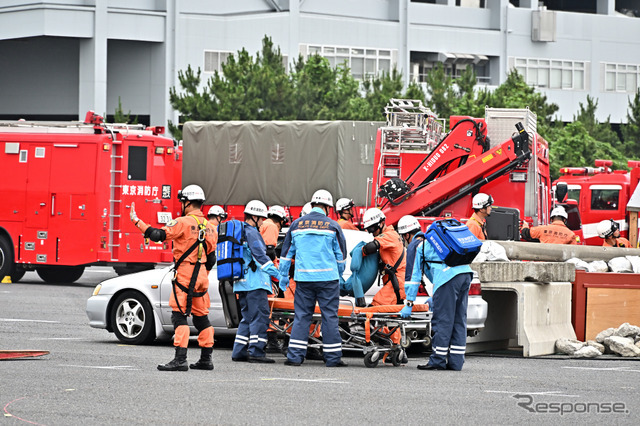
<point>278,162</point>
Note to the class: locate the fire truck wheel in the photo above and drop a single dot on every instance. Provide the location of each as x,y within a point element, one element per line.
<point>131,319</point>
<point>60,274</point>
<point>6,258</point>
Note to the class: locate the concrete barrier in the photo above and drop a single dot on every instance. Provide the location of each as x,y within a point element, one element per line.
<point>533,313</point>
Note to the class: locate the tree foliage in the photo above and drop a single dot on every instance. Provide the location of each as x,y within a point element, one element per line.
<point>260,88</point>
<point>631,131</point>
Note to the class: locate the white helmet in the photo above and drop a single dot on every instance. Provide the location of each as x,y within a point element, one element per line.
<point>481,201</point>
<point>559,211</point>
<point>343,204</point>
<point>322,196</point>
<point>217,211</point>
<point>256,208</point>
<point>372,216</point>
<point>277,211</point>
<point>407,224</point>
<point>191,193</point>
<point>606,228</point>
<point>306,209</point>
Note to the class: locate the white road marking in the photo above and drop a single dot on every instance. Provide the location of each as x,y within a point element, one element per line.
<point>105,367</point>
<point>305,380</point>
<point>623,369</point>
<point>28,320</point>
<point>58,338</point>
<point>548,393</point>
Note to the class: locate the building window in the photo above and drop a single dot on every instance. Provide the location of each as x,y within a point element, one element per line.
<point>454,64</point>
<point>621,78</point>
<point>552,74</point>
<point>363,62</point>
<point>213,60</point>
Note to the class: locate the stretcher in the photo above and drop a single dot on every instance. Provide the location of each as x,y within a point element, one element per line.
<point>376,331</point>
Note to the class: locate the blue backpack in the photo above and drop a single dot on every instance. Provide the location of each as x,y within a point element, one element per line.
<point>453,241</point>
<point>229,250</point>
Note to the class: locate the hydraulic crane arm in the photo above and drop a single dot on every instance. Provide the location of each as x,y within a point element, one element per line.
<point>467,140</point>
<point>437,193</point>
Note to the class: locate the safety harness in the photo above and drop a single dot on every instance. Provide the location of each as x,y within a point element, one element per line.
<point>391,272</point>
<point>201,244</point>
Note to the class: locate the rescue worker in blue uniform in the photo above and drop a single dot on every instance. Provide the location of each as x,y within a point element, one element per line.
<point>319,247</point>
<point>409,230</point>
<point>253,290</point>
<point>450,299</point>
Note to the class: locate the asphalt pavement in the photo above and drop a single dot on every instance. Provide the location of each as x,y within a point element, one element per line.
<point>90,378</point>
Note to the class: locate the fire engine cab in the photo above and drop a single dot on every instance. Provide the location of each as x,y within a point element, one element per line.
<point>600,193</point>
<point>66,189</point>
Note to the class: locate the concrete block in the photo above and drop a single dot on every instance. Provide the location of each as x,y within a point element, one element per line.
<point>537,315</point>
<point>541,272</point>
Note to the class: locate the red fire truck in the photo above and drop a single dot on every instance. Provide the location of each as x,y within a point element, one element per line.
<point>66,189</point>
<point>420,171</point>
<point>601,194</point>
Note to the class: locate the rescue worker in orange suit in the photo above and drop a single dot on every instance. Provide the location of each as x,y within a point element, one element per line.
<point>271,227</point>
<point>216,215</point>
<point>388,243</point>
<point>609,230</point>
<point>344,208</point>
<point>555,233</point>
<point>270,230</point>
<point>194,251</point>
<point>477,223</point>
<point>254,289</point>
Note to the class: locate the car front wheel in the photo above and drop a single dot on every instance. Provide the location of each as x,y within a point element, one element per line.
<point>131,319</point>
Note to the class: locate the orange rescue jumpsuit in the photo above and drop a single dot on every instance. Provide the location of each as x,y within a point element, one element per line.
<point>184,233</point>
<point>347,224</point>
<point>269,231</point>
<point>620,242</point>
<point>555,233</point>
<point>391,248</point>
<point>477,226</point>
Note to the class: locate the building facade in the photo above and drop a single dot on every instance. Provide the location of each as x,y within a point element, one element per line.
<point>60,59</point>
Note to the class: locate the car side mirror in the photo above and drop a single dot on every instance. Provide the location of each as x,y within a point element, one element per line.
<point>561,191</point>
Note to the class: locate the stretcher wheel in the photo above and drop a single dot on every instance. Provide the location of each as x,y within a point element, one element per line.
<point>405,342</point>
<point>396,358</point>
<point>371,359</point>
<point>427,341</point>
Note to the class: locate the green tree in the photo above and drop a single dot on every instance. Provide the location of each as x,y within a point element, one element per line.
<point>599,131</point>
<point>575,147</point>
<point>383,87</point>
<point>440,92</point>
<point>516,93</point>
<point>631,131</point>
<point>120,117</point>
<point>190,103</point>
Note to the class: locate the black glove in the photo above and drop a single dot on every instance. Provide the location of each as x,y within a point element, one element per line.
<point>360,302</point>
<point>271,252</point>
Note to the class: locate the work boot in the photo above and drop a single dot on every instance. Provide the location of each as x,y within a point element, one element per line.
<point>204,363</point>
<point>179,363</point>
<point>274,346</point>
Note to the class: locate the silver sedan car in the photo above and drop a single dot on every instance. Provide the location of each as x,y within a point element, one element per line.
<point>136,307</point>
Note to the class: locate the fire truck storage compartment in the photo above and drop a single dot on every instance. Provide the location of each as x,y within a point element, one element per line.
<point>503,224</point>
